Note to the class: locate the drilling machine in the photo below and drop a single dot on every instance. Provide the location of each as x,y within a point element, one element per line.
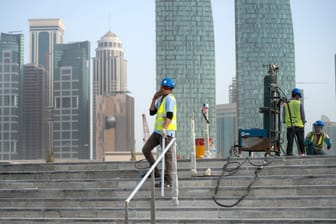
<point>265,140</point>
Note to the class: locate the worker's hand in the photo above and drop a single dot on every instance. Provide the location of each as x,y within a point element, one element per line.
<point>164,133</point>
<point>157,95</point>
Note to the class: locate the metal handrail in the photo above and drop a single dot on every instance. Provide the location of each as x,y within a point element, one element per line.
<point>151,170</point>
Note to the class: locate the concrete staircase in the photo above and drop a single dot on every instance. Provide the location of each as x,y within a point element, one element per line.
<point>287,190</point>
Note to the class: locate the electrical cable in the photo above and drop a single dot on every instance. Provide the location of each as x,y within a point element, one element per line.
<point>233,171</point>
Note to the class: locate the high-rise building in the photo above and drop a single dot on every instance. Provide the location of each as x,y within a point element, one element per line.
<point>44,34</point>
<point>34,139</point>
<point>185,51</point>
<point>114,109</point>
<point>264,35</point>
<point>330,129</point>
<point>233,91</point>
<point>226,128</point>
<point>11,64</point>
<point>109,66</point>
<point>71,114</point>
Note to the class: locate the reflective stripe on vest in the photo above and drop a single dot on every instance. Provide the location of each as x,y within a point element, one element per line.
<point>295,112</point>
<point>319,144</point>
<point>161,115</point>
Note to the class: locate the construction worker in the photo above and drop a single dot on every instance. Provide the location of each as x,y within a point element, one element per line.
<point>164,106</point>
<point>294,118</point>
<point>315,139</point>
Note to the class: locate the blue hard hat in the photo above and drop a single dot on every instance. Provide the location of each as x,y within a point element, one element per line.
<point>296,91</point>
<point>319,123</point>
<point>168,82</point>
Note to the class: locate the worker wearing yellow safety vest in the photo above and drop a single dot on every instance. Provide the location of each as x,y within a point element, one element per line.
<point>163,105</point>
<point>294,118</point>
<point>315,139</point>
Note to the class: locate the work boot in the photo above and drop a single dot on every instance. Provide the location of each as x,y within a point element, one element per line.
<point>166,184</point>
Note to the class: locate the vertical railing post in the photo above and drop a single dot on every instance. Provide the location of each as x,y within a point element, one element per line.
<point>126,212</point>
<point>193,150</point>
<point>153,213</point>
<point>174,176</point>
<point>163,167</point>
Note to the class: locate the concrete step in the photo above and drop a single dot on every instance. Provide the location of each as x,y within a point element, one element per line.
<point>288,190</point>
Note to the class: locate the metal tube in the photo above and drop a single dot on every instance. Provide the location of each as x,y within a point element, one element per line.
<point>193,151</point>
<point>174,176</point>
<point>136,189</point>
<point>126,212</point>
<point>163,167</point>
<point>153,213</point>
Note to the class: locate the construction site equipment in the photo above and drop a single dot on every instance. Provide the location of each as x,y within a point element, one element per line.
<point>267,139</point>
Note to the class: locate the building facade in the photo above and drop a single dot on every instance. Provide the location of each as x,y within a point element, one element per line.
<point>109,66</point>
<point>114,124</point>
<point>185,51</point>
<point>44,34</point>
<point>114,109</point>
<point>71,114</point>
<point>11,64</point>
<point>34,131</point>
<point>264,36</point>
<point>226,128</point>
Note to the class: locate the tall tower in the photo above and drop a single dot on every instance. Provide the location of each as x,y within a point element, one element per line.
<point>114,109</point>
<point>109,66</point>
<point>34,134</point>
<point>185,51</point>
<point>11,64</point>
<point>71,117</point>
<point>44,34</point>
<point>264,35</point>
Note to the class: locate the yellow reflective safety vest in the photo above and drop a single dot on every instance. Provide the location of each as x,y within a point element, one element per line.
<point>293,114</point>
<point>319,144</point>
<point>161,115</point>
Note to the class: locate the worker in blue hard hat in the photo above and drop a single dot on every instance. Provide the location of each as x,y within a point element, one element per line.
<point>294,118</point>
<point>315,139</point>
<point>163,105</point>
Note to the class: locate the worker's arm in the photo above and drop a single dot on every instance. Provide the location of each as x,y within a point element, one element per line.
<point>328,141</point>
<point>303,116</point>
<point>152,108</point>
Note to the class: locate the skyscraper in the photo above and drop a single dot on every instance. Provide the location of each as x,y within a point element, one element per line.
<point>34,131</point>
<point>185,51</point>
<point>109,66</point>
<point>44,34</point>
<point>264,35</point>
<point>114,109</point>
<point>11,63</point>
<point>71,115</point>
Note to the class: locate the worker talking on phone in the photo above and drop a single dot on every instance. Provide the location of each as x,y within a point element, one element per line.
<point>163,105</point>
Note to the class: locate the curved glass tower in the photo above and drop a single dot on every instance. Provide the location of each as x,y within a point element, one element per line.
<point>264,35</point>
<point>185,51</point>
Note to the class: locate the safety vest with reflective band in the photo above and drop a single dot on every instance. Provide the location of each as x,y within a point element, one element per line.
<point>161,115</point>
<point>295,112</point>
<point>319,144</point>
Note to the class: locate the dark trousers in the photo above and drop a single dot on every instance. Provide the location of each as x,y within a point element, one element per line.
<point>153,141</point>
<point>291,133</point>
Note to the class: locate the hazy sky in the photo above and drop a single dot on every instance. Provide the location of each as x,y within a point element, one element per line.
<point>134,22</point>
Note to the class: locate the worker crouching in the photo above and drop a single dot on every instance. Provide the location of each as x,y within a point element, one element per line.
<point>315,139</point>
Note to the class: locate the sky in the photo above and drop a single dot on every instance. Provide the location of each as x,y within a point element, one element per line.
<point>133,21</point>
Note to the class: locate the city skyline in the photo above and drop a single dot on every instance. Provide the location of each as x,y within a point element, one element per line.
<point>315,44</point>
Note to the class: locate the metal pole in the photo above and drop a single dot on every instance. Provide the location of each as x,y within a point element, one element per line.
<point>193,151</point>
<point>175,177</point>
<point>163,167</point>
<point>126,212</point>
<point>153,219</point>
